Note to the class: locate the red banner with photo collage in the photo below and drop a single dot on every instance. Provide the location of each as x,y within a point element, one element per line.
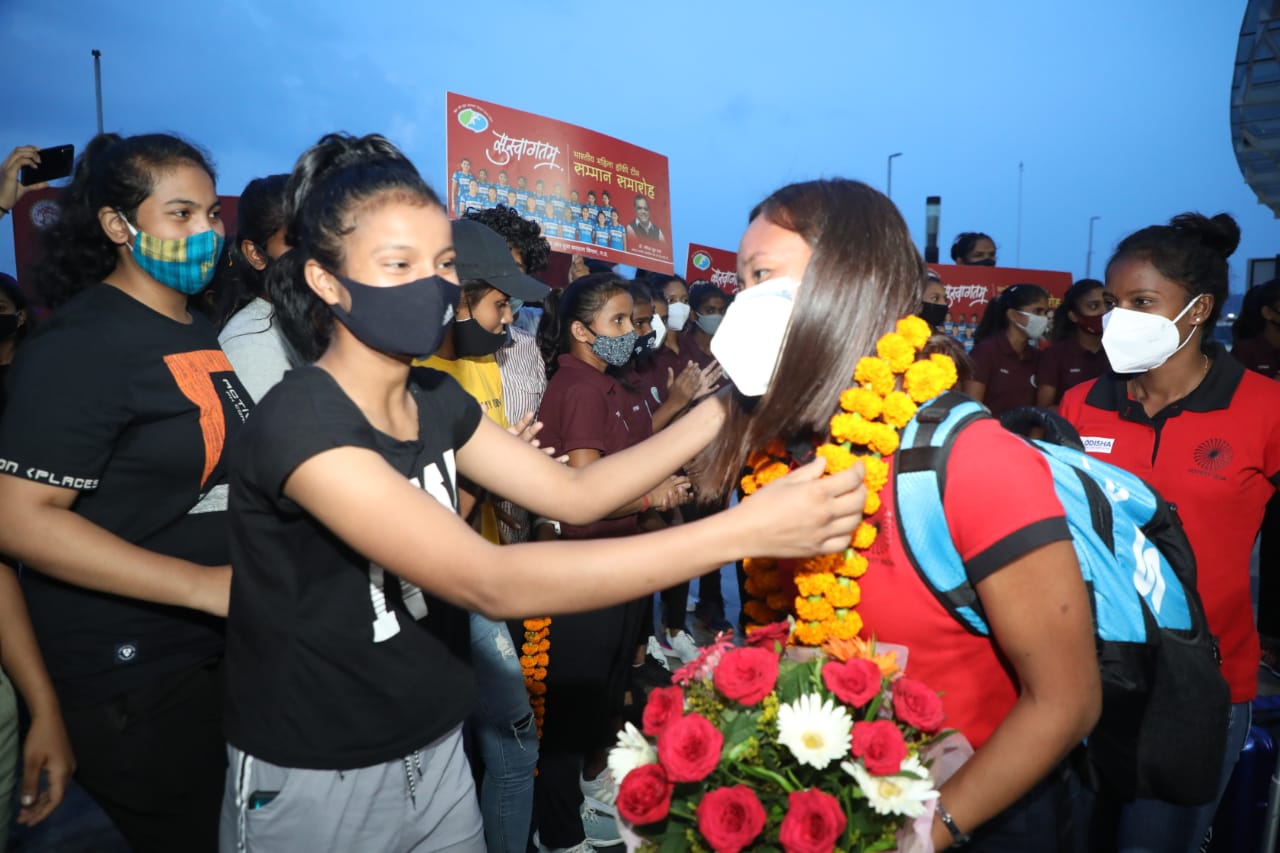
<point>971,288</point>
<point>593,195</point>
<point>718,266</point>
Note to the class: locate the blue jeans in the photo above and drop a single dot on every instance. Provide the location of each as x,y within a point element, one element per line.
<point>1154,826</point>
<point>506,735</point>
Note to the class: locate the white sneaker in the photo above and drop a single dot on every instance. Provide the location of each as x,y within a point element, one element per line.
<point>681,645</point>
<point>601,793</point>
<point>653,648</point>
<point>580,847</point>
<point>599,825</point>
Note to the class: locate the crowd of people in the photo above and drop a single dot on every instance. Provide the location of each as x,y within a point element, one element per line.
<point>311,544</point>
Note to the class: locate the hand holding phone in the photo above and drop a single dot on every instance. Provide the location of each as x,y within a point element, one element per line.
<point>51,164</point>
<point>30,168</point>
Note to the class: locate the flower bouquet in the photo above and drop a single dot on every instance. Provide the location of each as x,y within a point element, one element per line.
<point>757,750</point>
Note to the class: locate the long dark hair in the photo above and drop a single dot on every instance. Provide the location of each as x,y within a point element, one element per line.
<point>1063,327</point>
<point>112,171</point>
<point>1191,250</point>
<point>995,320</point>
<point>865,274</point>
<point>10,287</point>
<point>580,301</point>
<point>1251,323</point>
<point>964,243</point>
<point>259,214</point>
<point>329,183</point>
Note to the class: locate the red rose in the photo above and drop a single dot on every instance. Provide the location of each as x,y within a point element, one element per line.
<point>730,818</point>
<point>880,745</point>
<point>645,795</point>
<point>747,675</point>
<point>813,823</point>
<point>855,682</point>
<point>689,748</point>
<point>917,705</point>
<point>766,636</point>
<point>664,706</point>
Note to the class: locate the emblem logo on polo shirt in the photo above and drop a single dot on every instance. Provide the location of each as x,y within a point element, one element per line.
<point>1213,454</point>
<point>126,652</point>
<point>1097,444</point>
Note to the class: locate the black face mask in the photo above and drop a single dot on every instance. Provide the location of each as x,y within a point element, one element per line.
<point>985,262</point>
<point>9,326</point>
<point>644,347</point>
<point>407,319</point>
<point>933,313</point>
<point>472,339</point>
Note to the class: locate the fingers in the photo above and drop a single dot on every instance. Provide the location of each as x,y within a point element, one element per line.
<point>32,762</point>
<point>521,425</point>
<point>847,480</point>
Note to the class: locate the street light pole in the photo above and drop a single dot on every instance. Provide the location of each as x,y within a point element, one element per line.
<point>97,84</point>
<point>889,182</point>
<point>1088,258</point>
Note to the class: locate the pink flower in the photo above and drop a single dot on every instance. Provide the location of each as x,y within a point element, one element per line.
<point>702,666</point>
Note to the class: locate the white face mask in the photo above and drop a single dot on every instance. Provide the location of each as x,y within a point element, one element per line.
<point>1136,342</point>
<point>750,337</point>
<point>1035,326</point>
<point>659,332</point>
<point>677,316</point>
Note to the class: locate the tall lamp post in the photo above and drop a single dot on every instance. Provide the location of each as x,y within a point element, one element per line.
<point>1088,258</point>
<point>889,182</point>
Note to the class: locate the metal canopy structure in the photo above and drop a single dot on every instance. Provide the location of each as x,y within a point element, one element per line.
<point>1255,101</point>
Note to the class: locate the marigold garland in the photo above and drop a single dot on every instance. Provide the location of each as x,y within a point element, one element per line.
<point>534,658</point>
<point>822,592</point>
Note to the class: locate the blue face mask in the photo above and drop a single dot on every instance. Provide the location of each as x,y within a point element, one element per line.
<point>186,264</point>
<point>615,351</point>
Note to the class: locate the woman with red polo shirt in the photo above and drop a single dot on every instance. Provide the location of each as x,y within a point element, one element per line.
<point>1203,431</point>
<point>1004,353</point>
<point>587,337</point>
<point>1076,355</point>
<point>843,257</point>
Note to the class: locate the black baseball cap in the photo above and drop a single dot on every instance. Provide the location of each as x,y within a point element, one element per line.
<point>483,254</point>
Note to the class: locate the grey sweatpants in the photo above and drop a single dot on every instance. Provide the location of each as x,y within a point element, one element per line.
<point>425,802</point>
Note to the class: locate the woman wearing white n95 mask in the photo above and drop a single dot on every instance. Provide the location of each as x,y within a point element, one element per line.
<point>1005,353</point>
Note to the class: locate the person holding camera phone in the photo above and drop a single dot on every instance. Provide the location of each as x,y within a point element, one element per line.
<point>11,189</point>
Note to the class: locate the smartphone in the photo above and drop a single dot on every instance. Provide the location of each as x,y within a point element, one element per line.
<point>258,799</point>
<point>55,163</point>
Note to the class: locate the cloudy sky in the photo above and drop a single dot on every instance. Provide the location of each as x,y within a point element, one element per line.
<point>1116,109</point>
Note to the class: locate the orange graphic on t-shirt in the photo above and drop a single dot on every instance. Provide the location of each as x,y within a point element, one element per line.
<point>193,371</point>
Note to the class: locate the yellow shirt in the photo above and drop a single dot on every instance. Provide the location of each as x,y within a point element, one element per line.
<point>479,376</point>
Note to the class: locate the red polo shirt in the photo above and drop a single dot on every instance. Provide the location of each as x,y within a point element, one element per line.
<point>993,522</point>
<point>1259,356</point>
<point>1010,376</point>
<point>1066,364</point>
<point>1214,455</point>
<point>584,409</point>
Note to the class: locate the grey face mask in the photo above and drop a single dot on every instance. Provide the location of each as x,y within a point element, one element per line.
<point>615,351</point>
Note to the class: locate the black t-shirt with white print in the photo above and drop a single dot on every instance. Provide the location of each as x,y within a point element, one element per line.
<point>331,663</point>
<point>135,411</point>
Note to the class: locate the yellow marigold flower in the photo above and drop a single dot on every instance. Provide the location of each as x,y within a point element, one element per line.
<point>759,612</point>
<point>748,484</point>
<point>838,459</point>
<point>873,503</point>
<point>763,583</point>
<point>846,628</point>
<point>948,367</point>
<point>814,584</point>
<point>771,472</point>
<point>915,330</point>
<point>875,374</point>
<point>809,634</point>
<point>841,596</point>
<point>820,563</point>
<point>877,475</point>
<point>851,428</point>
<point>862,401</point>
<point>925,380</point>
<point>883,440</point>
<point>814,610</point>
<point>864,536</point>
<point>899,409</point>
<point>779,602</point>
<point>897,351</point>
<point>854,566</point>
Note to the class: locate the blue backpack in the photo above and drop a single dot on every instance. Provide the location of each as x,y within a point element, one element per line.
<point>1162,732</point>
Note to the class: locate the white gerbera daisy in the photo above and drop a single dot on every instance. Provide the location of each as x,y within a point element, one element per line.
<point>901,794</point>
<point>816,732</point>
<point>632,751</point>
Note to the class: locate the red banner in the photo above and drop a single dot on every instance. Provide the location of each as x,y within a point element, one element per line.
<point>592,195</point>
<point>971,288</point>
<point>718,266</point>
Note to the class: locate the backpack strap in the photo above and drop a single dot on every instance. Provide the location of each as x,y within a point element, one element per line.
<point>919,481</point>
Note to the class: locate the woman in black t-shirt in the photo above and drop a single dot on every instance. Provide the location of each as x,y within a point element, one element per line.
<point>343,708</point>
<point>114,485</point>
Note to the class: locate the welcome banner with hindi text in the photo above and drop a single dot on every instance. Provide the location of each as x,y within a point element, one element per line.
<point>718,266</point>
<point>971,288</point>
<point>592,195</point>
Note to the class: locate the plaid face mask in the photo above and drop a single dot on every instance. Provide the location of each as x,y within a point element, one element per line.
<point>186,264</point>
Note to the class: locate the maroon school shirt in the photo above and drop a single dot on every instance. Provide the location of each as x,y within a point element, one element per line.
<point>584,409</point>
<point>1010,378</point>
<point>648,376</point>
<point>1066,364</point>
<point>1259,356</point>
<point>689,350</point>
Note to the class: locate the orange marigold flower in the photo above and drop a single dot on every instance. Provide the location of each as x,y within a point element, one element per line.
<point>820,563</point>
<point>544,659</point>
<point>813,611</point>
<point>537,624</point>
<point>528,661</point>
<point>873,503</point>
<point>925,380</point>
<point>844,595</point>
<point>877,472</point>
<point>814,584</point>
<point>759,612</point>
<point>947,365</point>
<point>537,688</point>
<point>748,484</point>
<point>864,536</point>
<point>883,440</point>
<point>779,602</point>
<point>847,627</point>
<point>771,472</point>
<point>862,401</point>
<point>851,428</point>
<point>808,634</point>
<point>838,459</point>
<point>854,566</point>
<point>915,330</point>
<point>776,447</point>
<point>874,374</point>
<point>758,564</point>
<point>897,351</point>
<point>899,409</point>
